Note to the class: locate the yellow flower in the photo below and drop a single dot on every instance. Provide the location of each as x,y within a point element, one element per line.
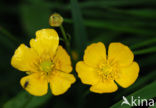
<point>102,71</point>
<point>44,62</point>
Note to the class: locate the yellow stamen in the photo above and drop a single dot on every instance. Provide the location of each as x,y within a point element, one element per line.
<point>108,70</point>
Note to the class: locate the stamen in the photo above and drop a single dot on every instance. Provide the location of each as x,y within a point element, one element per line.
<point>108,70</point>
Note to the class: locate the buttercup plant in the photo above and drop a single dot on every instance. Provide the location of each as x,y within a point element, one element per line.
<point>48,62</point>
<point>77,53</point>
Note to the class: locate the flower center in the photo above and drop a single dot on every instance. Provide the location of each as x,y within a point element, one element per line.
<point>108,70</point>
<point>47,66</point>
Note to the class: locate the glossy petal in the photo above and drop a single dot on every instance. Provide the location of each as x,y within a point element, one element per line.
<point>23,57</point>
<point>62,60</point>
<point>46,41</point>
<point>120,53</point>
<point>86,73</point>
<point>128,75</point>
<point>35,84</point>
<point>61,82</point>
<point>106,86</point>
<point>94,54</point>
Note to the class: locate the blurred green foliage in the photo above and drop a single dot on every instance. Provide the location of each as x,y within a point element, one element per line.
<point>131,22</point>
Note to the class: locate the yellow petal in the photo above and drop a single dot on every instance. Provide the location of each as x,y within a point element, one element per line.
<point>35,84</point>
<point>94,54</point>
<point>86,73</point>
<point>47,40</point>
<point>106,86</point>
<point>62,60</point>
<point>121,53</point>
<point>61,82</point>
<point>23,58</point>
<point>128,75</point>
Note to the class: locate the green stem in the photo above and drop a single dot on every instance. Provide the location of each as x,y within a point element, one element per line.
<point>145,51</point>
<point>81,101</point>
<point>67,42</point>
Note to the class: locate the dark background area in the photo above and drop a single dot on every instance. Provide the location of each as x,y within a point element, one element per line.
<point>132,22</point>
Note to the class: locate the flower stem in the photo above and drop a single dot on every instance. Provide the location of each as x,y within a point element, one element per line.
<point>67,42</point>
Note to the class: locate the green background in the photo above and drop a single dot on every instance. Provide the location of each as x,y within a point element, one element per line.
<point>132,22</point>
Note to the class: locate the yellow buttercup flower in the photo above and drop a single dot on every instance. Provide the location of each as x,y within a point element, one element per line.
<point>44,62</point>
<point>102,71</point>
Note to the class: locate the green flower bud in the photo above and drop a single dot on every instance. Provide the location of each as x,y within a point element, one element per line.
<point>55,20</point>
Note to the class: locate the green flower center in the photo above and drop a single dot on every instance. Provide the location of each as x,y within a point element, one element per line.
<point>47,66</point>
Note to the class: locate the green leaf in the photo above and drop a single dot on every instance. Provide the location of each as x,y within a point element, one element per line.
<point>116,26</point>
<point>144,43</point>
<point>146,51</point>
<point>25,100</point>
<point>147,92</point>
<point>115,13</point>
<point>80,37</point>
<point>149,13</point>
<point>109,3</point>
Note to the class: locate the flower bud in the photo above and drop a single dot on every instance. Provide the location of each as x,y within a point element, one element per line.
<point>55,20</point>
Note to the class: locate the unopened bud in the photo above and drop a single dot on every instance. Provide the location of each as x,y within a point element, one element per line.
<point>55,20</point>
